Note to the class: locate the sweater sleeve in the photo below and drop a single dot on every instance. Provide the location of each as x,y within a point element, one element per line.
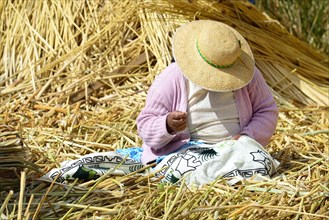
<point>151,122</point>
<point>264,111</point>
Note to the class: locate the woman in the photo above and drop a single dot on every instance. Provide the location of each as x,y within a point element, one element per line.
<point>212,92</point>
<point>207,115</point>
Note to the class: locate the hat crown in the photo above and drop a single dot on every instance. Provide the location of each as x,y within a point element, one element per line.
<point>219,46</point>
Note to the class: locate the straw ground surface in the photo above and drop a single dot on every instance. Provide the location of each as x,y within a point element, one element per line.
<point>74,76</point>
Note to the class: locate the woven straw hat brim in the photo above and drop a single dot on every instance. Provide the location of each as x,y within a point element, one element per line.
<point>200,72</point>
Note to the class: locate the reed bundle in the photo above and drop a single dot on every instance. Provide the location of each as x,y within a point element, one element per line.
<point>74,77</point>
<point>11,157</point>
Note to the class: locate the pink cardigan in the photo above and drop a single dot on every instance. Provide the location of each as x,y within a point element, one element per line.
<point>257,111</point>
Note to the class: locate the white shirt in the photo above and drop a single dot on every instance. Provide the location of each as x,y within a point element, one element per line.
<point>212,116</point>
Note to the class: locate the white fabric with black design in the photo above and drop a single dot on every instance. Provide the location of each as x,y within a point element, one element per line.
<point>196,162</point>
<point>92,166</point>
<point>201,164</point>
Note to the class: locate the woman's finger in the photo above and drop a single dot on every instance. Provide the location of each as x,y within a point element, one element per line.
<point>178,115</point>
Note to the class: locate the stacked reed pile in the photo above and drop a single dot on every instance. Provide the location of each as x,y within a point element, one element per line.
<point>74,76</point>
<point>14,158</point>
<point>11,157</point>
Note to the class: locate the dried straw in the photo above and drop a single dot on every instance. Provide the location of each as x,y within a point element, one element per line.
<point>74,82</point>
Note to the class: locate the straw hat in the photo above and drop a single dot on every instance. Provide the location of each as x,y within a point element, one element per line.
<point>213,55</point>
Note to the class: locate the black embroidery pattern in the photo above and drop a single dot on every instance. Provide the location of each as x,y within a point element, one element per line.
<point>136,167</point>
<point>245,173</point>
<point>258,157</point>
<point>88,166</point>
<point>262,158</point>
<point>208,154</point>
<point>184,162</point>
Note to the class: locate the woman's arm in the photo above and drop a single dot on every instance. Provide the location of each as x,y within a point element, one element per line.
<point>264,111</point>
<point>151,122</point>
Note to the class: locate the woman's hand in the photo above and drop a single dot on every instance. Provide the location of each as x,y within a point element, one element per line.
<point>236,137</point>
<point>176,121</point>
